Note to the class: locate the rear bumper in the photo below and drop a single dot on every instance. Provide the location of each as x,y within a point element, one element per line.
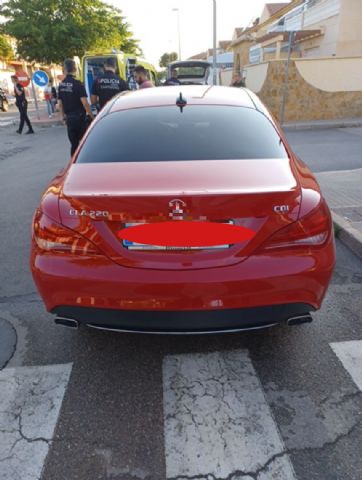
<point>176,322</point>
<point>260,291</point>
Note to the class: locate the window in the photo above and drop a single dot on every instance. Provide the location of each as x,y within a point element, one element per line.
<point>194,72</point>
<point>166,134</point>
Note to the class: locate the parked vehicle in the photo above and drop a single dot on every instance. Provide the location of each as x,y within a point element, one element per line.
<point>4,102</point>
<point>157,163</point>
<point>93,66</point>
<point>191,72</point>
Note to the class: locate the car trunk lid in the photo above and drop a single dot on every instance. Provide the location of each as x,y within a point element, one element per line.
<point>98,200</point>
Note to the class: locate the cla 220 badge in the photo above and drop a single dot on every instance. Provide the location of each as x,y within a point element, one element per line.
<point>88,213</point>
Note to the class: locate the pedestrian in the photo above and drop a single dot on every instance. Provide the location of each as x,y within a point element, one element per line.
<point>48,99</point>
<point>237,81</point>
<point>141,77</point>
<point>107,85</point>
<point>173,80</point>
<point>22,104</point>
<point>54,95</point>
<point>73,104</point>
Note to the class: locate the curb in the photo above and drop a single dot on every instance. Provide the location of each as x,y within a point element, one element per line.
<point>41,124</point>
<point>320,125</point>
<point>45,124</point>
<point>348,235</point>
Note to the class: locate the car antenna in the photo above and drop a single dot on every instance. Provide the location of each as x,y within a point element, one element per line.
<point>181,102</point>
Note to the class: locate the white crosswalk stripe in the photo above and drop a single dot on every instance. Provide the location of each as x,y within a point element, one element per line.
<point>218,423</point>
<point>350,354</point>
<point>6,123</point>
<point>30,402</point>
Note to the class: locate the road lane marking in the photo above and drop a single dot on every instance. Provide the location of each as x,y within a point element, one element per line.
<point>350,354</point>
<point>217,420</point>
<point>30,402</point>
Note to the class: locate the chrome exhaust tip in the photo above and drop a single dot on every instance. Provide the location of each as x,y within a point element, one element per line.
<point>66,322</point>
<point>299,320</point>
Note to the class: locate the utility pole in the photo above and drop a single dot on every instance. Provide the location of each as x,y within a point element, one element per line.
<point>286,80</point>
<point>214,44</point>
<point>177,10</point>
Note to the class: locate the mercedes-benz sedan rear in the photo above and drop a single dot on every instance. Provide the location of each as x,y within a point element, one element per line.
<point>209,154</point>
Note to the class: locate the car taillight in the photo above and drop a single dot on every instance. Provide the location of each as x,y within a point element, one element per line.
<point>52,237</point>
<point>312,229</point>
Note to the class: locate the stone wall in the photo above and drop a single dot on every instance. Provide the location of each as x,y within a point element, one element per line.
<point>304,100</point>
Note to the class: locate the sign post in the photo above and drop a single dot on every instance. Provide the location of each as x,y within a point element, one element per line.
<point>35,100</point>
<point>40,79</point>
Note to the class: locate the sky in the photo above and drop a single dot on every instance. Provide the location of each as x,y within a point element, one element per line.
<point>155,24</point>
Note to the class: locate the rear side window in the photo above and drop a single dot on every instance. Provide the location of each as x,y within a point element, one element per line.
<point>198,133</point>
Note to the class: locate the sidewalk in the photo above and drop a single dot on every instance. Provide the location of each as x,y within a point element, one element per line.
<point>343,191</point>
<point>323,124</point>
<point>44,120</point>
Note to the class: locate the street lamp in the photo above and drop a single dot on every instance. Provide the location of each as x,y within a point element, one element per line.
<point>214,46</point>
<point>179,33</point>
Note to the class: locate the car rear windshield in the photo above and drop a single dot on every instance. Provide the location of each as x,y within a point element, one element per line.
<point>191,72</point>
<point>157,134</point>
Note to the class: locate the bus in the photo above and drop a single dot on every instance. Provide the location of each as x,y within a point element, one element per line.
<point>93,66</point>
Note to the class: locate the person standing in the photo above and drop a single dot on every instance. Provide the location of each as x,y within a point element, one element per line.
<point>173,80</point>
<point>140,75</point>
<point>54,95</point>
<point>22,105</point>
<point>73,104</point>
<point>107,85</point>
<point>48,99</point>
<point>237,81</point>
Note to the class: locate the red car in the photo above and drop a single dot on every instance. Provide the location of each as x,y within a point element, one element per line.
<point>209,154</point>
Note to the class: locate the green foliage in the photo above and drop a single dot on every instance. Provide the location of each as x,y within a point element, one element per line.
<point>168,58</point>
<point>49,31</point>
<point>6,50</point>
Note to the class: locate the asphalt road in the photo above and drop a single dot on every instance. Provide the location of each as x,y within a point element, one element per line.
<point>285,403</point>
<point>328,150</point>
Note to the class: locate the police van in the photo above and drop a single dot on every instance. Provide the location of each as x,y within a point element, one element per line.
<point>93,67</point>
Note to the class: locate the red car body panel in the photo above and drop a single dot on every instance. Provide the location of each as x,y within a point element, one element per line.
<point>248,275</point>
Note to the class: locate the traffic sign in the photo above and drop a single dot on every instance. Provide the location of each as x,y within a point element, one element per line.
<point>40,78</point>
<point>23,78</point>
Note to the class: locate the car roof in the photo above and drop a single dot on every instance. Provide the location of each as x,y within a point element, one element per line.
<point>189,63</point>
<point>193,94</point>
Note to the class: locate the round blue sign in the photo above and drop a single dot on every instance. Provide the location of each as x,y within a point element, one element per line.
<point>40,78</point>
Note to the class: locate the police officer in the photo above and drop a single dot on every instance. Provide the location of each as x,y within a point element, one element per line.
<point>73,104</point>
<point>22,104</point>
<point>107,85</point>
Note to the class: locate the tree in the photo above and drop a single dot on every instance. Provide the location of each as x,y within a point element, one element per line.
<point>168,58</point>
<point>6,50</point>
<point>48,31</point>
